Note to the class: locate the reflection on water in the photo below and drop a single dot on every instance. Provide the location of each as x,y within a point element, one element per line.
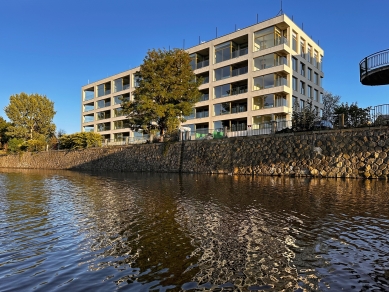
<point>62,231</point>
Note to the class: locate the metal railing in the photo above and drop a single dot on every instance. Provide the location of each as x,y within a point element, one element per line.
<point>374,61</point>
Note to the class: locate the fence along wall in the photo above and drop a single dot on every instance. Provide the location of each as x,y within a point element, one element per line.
<point>355,153</point>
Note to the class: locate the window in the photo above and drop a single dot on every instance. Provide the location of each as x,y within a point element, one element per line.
<point>309,74</point>
<point>223,52</point>
<point>321,81</point>
<point>316,110</point>
<point>321,97</point>
<point>294,64</point>
<point>202,112</point>
<point>302,69</point>
<point>295,100</point>
<point>294,42</point>
<point>302,48</point>
<point>121,124</point>
<point>136,80</point>
<point>302,104</point>
<point>119,98</point>
<point>222,73</point>
<point>268,61</point>
<point>222,90</point>
<point>315,59</point>
<point>103,89</point>
<point>309,54</point>
<point>121,83</point>
<point>268,81</point>
<point>302,87</point>
<point>294,83</point>
<point>316,95</point>
<point>118,112</point>
<point>310,92</point>
<point>316,78</point>
<point>222,109</point>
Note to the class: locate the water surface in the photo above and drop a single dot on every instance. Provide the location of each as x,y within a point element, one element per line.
<point>69,231</point>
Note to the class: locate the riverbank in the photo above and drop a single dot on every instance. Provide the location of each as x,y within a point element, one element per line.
<point>354,153</point>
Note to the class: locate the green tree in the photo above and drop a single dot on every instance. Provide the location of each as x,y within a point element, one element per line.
<point>167,91</point>
<point>31,116</point>
<point>3,130</point>
<point>354,116</point>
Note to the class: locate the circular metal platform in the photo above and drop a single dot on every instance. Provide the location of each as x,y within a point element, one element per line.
<point>374,69</point>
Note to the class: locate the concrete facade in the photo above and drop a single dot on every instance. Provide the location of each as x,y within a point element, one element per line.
<point>251,77</point>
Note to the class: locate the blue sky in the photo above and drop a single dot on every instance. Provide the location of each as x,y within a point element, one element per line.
<point>54,47</point>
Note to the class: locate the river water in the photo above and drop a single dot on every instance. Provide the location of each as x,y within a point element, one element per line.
<point>70,231</point>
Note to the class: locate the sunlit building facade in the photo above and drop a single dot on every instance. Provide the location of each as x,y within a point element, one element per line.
<point>251,77</point>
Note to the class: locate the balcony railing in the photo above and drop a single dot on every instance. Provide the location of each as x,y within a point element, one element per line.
<point>238,53</point>
<point>204,97</point>
<point>238,90</point>
<point>202,115</point>
<point>370,64</point>
<point>262,45</point>
<point>202,64</point>
<point>239,71</point>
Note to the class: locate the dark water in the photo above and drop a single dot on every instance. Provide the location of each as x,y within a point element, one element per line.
<point>68,231</point>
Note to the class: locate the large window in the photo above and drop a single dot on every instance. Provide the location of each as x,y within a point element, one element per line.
<point>103,115</point>
<point>103,127</point>
<point>294,42</point>
<point>294,83</point>
<point>103,103</point>
<point>302,69</point>
<point>310,94</point>
<point>309,54</point>
<point>316,95</point>
<point>268,61</point>
<point>269,81</point>
<point>269,101</point>
<point>89,93</point>
<point>202,112</point>
<point>118,112</point>
<point>121,83</point>
<point>222,73</point>
<point>103,89</point>
<point>222,90</point>
<point>222,109</point>
<point>121,124</point>
<point>120,98</point>
<point>294,64</point>
<point>316,78</point>
<point>302,88</point>
<point>269,37</point>
<point>229,50</point>
<point>302,48</point>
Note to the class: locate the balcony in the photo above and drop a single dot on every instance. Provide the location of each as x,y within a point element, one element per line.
<point>239,71</point>
<point>269,43</point>
<point>239,90</point>
<point>374,69</point>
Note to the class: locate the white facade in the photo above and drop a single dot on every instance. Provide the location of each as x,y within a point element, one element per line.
<point>251,77</point>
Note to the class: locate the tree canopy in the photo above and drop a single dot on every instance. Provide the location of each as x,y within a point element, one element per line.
<point>330,103</point>
<point>167,91</point>
<point>31,116</point>
<point>3,130</point>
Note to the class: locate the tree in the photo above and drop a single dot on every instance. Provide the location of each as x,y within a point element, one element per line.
<point>354,116</point>
<point>31,116</point>
<point>167,91</point>
<point>330,102</point>
<point>3,130</point>
<point>80,140</point>
<point>303,119</point>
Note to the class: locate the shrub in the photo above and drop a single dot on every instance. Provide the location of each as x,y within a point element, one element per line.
<point>80,140</point>
<point>15,144</point>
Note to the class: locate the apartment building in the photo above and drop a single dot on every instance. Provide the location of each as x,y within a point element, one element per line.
<point>251,77</point>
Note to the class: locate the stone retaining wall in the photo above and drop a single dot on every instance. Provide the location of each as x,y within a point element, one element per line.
<point>356,153</point>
